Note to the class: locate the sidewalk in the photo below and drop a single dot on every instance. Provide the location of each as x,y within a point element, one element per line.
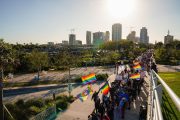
<point>80,110</point>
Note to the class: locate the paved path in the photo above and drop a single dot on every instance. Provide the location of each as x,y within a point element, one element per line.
<point>133,114</point>
<point>80,110</point>
<point>168,68</point>
<point>60,75</point>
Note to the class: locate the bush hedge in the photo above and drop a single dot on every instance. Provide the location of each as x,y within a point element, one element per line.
<point>27,109</point>
<point>99,77</point>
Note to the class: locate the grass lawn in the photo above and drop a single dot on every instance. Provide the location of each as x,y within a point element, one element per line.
<point>170,112</point>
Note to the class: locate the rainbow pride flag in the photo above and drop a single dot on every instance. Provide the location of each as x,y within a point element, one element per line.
<point>84,95</point>
<point>137,67</point>
<point>88,79</point>
<point>135,76</point>
<point>105,89</point>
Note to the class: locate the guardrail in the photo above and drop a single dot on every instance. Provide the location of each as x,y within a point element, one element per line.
<point>155,98</point>
<point>48,114</point>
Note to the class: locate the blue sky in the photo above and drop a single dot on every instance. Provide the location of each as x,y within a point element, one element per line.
<point>40,21</point>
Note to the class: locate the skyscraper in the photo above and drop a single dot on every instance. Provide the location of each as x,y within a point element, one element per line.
<point>98,38</point>
<point>88,37</point>
<point>168,38</point>
<point>72,39</point>
<point>144,38</point>
<point>116,32</point>
<point>78,42</point>
<point>65,42</point>
<point>107,34</point>
<point>132,36</point>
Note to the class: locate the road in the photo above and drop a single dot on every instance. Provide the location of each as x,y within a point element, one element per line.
<point>59,75</point>
<point>12,94</point>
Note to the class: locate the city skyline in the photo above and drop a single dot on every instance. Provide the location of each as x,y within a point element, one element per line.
<point>40,21</point>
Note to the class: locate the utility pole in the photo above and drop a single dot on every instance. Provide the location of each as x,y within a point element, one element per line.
<point>1,97</point>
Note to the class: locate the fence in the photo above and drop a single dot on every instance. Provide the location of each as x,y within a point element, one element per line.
<point>155,97</point>
<point>48,114</point>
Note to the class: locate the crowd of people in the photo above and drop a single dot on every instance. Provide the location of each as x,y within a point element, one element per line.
<point>123,90</point>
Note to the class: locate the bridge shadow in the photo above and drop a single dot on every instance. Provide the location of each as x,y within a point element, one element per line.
<point>133,113</point>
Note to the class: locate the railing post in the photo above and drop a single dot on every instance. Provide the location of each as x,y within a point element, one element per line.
<point>159,91</point>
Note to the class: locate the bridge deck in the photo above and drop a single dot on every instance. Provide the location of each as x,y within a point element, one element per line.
<point>80,110</point>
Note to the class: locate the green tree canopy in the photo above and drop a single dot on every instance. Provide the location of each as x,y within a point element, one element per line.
<point>37,60</point>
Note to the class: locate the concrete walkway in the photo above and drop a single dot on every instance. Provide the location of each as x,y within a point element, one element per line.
<point>80,110</point>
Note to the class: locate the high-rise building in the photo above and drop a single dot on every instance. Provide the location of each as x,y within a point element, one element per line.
<point>144,38</point>
<point>107,35</point>
<point>132,36</point>
<point>50,43</point>
<point>65,42</point>
<point>72,39</point>
<point>98,38</point>
<point>168,38</point>
<point>88,37</point>
<point>116,32</point>
<point>78,42</point>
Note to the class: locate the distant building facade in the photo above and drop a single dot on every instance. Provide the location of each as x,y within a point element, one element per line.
<point>50,43</point>
<point>88,38</point>
<point>78,42</point>
<point>107,36</point>
<point>137,39</point>
<point>65,42</point>
<point>72,39</point>
<point>132,36</point>
<point>144,38</point>
<point>98,38</point>
<point>168,38</point>
<point>116,32</point>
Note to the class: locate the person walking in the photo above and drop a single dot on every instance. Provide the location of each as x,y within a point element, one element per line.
<point>122,106</point>
<point>154,67</point>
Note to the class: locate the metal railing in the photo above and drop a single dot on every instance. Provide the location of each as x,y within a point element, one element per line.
<point>48,114</point>
<point>155,112</point>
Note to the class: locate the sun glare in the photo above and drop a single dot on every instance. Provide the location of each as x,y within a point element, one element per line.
<point>121,8</point>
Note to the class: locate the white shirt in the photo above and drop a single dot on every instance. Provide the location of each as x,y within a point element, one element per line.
<point>118,77</point>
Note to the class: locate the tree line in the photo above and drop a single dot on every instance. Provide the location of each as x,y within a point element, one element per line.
<point>25,58</point>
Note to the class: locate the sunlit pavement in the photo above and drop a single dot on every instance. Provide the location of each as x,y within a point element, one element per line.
<point>80,110</point>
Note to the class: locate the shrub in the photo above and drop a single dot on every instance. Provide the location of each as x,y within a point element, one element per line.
<point>33,110</point>
<point>102,77</point>
<point>38,103</point>
<point>49,102</point>
<point>70,99</point>
<point>17,112</point>
<point>20,103</point>
<point>62,104</point>
<point>78,79</point>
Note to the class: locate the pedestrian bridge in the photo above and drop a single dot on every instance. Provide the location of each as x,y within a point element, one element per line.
<point>151,93</point>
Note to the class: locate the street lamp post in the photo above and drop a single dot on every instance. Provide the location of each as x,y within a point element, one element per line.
<point>1,97</point>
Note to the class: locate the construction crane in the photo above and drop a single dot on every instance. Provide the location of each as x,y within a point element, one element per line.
<point>72,30</point>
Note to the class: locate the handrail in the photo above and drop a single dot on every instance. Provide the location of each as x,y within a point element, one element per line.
<point>158,115</point>
<point>171,93</point>
<point>158,106</point>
